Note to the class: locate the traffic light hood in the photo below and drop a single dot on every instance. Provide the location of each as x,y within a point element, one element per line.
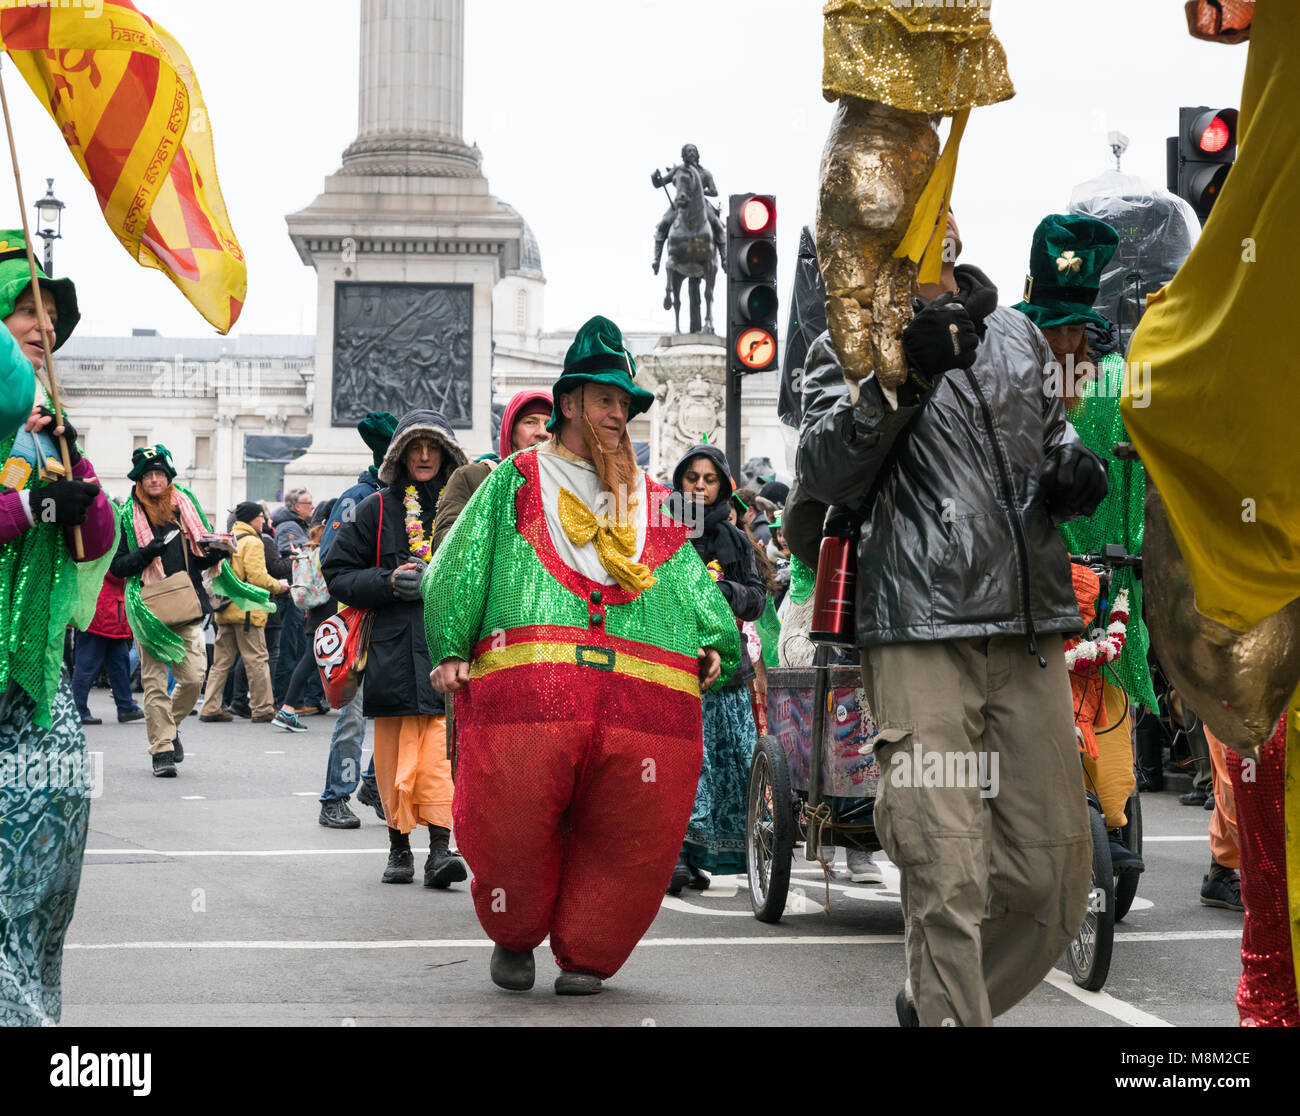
<point>16,277</point>
<point>1066,260</point>
<point>598,356</point>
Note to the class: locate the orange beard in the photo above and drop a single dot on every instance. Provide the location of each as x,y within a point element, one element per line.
<point>617,468</point>
<point>159,509</point>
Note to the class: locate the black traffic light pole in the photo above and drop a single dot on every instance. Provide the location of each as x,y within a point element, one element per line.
<point>733,421</point>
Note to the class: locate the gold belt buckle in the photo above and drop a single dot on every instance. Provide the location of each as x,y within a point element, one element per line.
<point>602,658</point>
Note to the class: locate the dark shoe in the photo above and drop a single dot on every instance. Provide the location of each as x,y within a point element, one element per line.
<point>323,710</point>
<point>263,720</point>
<point>443,868</point>
<point>1194,797</point>
<point>1222,888</point>
<point>515,972</point>
<point>906,1010</point>
<point>289,722</point>
<point>87,719</point>
<point>1122,858</point>
<point>401,866</point>
<point>178,753</point>
<point>136,714</point>
<point>368,795</point>
<point>680,878</point>
<point>164,766</point>
<point>698,881</point>
<point>194,712</point>
<point>241,711</point>
<point>1153,783</point>
<point>222,718</point>
<point>577,984</point>
<point>336,814</point>
<point>1209,801</point>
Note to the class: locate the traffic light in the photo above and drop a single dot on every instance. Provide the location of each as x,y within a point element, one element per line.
<point>752,301</point>
<point>1201,155</point>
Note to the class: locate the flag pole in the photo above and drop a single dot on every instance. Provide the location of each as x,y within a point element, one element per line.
<point>78,546</point>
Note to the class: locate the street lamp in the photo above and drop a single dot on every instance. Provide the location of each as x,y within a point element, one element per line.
<point>49,223</point>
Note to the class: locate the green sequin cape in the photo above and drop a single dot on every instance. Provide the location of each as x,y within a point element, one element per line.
<point>43,589</point>
<point>156,638</point>
<point>497,572</point>
<point>1120,516</point>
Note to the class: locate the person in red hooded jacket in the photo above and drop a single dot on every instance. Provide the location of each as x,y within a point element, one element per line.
<point>106,645</point>
<point>523,425</point>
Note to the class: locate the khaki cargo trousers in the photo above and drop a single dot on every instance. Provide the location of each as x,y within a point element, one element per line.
<point>995,877</point>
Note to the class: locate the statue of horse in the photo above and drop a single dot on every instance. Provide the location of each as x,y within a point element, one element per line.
<point>691,248</point>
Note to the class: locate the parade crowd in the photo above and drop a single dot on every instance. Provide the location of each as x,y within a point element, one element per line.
<point>604,638</point>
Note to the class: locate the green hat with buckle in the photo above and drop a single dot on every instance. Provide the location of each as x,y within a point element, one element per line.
<point>16,277</point>
<point>151,457</point>
<point>1066,259</point>
<point>598,356</point>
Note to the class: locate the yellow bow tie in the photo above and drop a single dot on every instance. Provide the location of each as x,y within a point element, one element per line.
<point>614,543</point>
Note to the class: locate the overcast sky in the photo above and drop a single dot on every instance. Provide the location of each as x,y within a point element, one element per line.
<point>575,102</point>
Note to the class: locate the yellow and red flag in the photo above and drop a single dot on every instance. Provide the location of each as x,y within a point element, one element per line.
<point>124,95</point>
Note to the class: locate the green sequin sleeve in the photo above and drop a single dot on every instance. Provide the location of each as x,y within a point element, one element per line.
<point>456,584</point>
<point>713,616</point>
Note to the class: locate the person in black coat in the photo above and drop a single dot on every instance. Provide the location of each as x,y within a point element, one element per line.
<point>376,562</point>
<point>715,837</point>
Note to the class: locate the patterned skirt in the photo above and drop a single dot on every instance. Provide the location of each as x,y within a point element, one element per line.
<point>715,837</point>
<point>45,791</point>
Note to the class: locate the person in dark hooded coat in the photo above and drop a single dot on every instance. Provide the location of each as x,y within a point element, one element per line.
<point>376,562</point>
<point>715,837</point>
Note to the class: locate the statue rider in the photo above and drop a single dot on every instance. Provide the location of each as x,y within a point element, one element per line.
<point>690,158</point>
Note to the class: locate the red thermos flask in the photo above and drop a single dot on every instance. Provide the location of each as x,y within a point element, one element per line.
<point>835,591</point>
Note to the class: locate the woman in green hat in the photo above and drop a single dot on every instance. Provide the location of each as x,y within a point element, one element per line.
<point>1066,260</point>
<point>46,780</point>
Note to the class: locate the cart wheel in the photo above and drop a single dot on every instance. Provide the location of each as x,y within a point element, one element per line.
<point>769,830</point>
<point>1088,956</point>
<point>1126,883</point>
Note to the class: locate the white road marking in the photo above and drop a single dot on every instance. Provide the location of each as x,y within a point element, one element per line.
<point>194,798</point>
<point>236,852</point>
<point>1193,837</point>
<point>304,794</point>
<point>1105,1003</point>
<point>268,753</point>
<point>1176,935</point>
<point>476,943</point>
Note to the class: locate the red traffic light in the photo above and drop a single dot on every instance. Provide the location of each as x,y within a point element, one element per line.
<point>756,215</point>
<point>1214,133</point>
<point>1215,137</point>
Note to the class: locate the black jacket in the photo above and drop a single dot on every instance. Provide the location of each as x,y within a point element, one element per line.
<point>397,671</point>
<point>958,543</point>
<point>279,568</point>
<point>131,563</point>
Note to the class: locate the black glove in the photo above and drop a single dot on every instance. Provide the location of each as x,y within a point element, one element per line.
<point>942,336</point>
<point>69,432</point>
<point>155,549</point>
<point>66,502</point>
<point>406,584</point>
<point>1074,481</point>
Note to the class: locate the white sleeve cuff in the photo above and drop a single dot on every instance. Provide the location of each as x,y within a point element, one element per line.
<point>25,498</point>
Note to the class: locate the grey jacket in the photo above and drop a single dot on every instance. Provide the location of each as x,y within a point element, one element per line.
<point>957,539</point>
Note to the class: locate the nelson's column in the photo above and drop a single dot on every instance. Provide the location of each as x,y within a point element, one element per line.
<point>407,243</point>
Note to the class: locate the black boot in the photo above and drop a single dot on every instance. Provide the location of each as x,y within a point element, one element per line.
<point>512,971</point>
<point>681,875</point>
<point>444,867</point>
<point>401,864</point>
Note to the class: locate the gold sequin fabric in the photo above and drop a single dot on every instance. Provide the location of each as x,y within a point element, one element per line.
<point>914,56</point>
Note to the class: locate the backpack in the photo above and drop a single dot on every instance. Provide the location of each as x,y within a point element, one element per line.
<point>308,589</point>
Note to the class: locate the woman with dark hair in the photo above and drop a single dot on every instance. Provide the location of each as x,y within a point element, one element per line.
<point>715,837</point>
<point>376,562</point>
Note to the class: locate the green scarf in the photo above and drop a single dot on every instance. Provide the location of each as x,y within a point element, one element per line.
<point>768,627</point>
<point>1120,516</point>
<point>43,589</point>
<point>801,581</point>
<point>154,636</point>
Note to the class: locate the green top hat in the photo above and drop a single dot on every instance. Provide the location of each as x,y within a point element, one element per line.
<point>598,356</point>
<point>16,277</point>
<point>1066,260</point>
<point>151,457</point>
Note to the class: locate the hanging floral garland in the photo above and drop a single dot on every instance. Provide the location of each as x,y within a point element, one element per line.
<point>1084,655</point>
<point>420,546</point>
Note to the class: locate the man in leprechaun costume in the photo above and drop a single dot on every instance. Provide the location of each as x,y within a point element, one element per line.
<point>165,533</point>
<point>46,780</point>
<point>577,627</point>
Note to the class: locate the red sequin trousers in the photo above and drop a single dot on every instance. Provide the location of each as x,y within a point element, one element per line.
<point>1266,996</point>
<point>573,789</point>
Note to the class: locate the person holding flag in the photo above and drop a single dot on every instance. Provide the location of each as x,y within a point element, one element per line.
<point>45,776</point>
